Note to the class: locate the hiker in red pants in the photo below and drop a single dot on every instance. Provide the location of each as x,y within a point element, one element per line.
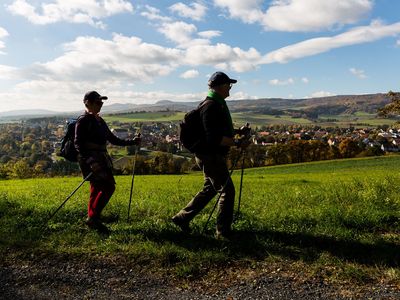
<point>91,136</point>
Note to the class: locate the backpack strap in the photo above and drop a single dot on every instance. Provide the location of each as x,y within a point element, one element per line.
<point>204,103</point>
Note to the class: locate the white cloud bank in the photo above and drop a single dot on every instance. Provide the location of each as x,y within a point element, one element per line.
<point>358,35</point>
<point>320,94</point>
<point>298,15</point>
<point>72,11</point>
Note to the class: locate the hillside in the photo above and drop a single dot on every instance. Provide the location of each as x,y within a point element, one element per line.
<point>311,108</point>
<point>348,104</point>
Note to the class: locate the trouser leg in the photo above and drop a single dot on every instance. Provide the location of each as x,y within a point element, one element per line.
<point>216,179</point>
<point>218,173</point>
<point>226,207</point>
<point>199,201</point>
<point>100,194</point>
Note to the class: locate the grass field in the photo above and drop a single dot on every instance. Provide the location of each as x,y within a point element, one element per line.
<point>336,219</point>
<point>239,119</point>
<point>162,116</point>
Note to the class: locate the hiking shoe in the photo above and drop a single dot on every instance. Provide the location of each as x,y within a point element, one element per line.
<point>183,225</point>
<point>94,223</point>
<point>223,235</point>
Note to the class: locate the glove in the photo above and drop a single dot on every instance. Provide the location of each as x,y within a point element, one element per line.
<point>136,140</point>
<point>244,130</point>
<point>96,167</point>
<point>242,143</point>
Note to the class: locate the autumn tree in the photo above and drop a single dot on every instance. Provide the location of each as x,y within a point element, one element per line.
<point>393,107</point>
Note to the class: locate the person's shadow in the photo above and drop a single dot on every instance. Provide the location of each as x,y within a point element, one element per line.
<point>260,244</point>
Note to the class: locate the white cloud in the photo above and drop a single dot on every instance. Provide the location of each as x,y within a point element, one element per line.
<point>297,15</point>
<point>357,35</point>
<point>281,82</point>
<point>247,11</point>
<point>3,34</point>
<point>196,13</point>
<point>72,11</point>
<point>129,59</point>
<point>209,34</point>
<point>190,74</point>
<point>184,34</point>
<point>223,56</point>
<point>7,72</point>
<point>179,32</point>
<point>320,94</point>
<point>123,58</point>
<point>358,73</point>
<point>240,96</point>
<point>67,96</point>
<point>154,14</point>
<point>398,43</point>
<point>305,80</point>
<point>314,15</point>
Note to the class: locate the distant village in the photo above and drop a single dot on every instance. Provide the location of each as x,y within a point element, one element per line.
<point>34,144</point>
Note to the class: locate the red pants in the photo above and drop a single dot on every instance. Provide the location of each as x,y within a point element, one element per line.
<point>100,194</point>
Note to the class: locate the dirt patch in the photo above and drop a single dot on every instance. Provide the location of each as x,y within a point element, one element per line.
<point>66,277</point>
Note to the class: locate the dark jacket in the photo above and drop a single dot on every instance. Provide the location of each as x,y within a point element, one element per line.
<point>216,125</point>
<point>91,137</point>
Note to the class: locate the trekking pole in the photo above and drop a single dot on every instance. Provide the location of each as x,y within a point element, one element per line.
<point>220,193</point>
<point>241,185</point>
<point>133,179</point>
<point>70,195</point>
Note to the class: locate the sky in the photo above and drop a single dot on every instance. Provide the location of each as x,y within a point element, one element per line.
<point>52,52</point>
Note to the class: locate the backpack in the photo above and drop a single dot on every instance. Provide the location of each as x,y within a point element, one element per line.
<point>191,133</point>
<point>68,150</point>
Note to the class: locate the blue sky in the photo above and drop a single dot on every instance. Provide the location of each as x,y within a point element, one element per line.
<point>53,51</point>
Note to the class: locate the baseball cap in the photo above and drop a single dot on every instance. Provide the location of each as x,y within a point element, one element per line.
<point>220,78</point>
<point>93,96</point>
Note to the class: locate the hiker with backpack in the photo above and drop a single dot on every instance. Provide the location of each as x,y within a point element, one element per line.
<point>91,136</point>
<point>215,137</point>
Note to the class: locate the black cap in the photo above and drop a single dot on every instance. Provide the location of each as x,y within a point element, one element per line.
<point>220,78</point>
<point>93,96</point>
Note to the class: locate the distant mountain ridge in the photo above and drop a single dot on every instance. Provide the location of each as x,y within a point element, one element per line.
<point>313,106</point>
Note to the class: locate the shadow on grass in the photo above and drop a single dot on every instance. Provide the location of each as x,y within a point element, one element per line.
<point>261,244</point>
<point>20,228</point>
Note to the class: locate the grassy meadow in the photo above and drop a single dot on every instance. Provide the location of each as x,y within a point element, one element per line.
<point>337,219</point>
<point>160,116</point>
<point>343,120</point>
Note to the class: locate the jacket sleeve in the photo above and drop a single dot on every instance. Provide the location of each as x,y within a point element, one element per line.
<point>113,139</point>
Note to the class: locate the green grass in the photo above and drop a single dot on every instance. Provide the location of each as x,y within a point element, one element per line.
<point>339,215</point>
<point>162,116</point>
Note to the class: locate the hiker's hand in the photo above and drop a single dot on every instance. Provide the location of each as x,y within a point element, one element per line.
<point>245,130</point>
<point>243,143</point>
<point>137,140</point>
<point>96,167</point>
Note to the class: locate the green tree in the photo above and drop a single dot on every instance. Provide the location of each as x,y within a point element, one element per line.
<point>21,169</point>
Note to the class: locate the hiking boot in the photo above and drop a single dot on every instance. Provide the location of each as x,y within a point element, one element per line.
<point>223,235</point>
<point>183,225</point>
<point>94,223</point>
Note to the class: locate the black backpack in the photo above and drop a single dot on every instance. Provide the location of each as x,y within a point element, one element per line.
<point>68,150</point>
<point>191,132</point>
